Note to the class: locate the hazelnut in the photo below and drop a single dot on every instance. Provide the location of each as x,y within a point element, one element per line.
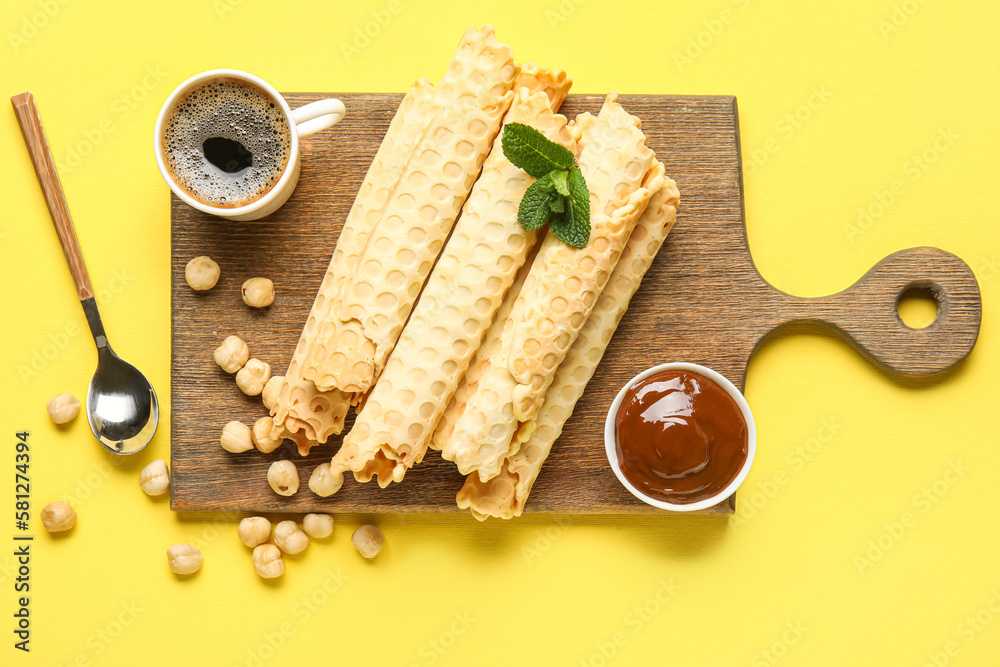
<point>318,525</point>
<point>254,531</point>
<point>283,477</point>
<point>267,561</point>
<point>236,437</point>
<point>266,436</point>
<point>58,516</point>
<point>155,478</point>
<point>258,292</point>
<point>323,483</point>
<point>368,540</point>
<point>183,558</point>
<point>63,407</point>
<point>201,273</point>
<point>252,377</point>
<point>289,537</point>
<point>272,390</point>
<point>232,354</point>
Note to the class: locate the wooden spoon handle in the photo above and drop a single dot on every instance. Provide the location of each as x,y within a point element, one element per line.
<point>867,314</point>
<point>48,178</point>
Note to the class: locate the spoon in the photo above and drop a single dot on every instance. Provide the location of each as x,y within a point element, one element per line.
<point>121,404</point>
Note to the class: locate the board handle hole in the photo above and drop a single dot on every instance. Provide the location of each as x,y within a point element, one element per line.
<point>918,306</point>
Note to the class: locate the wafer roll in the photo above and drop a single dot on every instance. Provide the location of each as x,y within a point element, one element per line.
<point>303,412</point>
<point>481,362</point>
<point>504,496</point>
<point>353,344</point>
<point>458,304</point>
<point>557,297</point>
<point>553,82</point>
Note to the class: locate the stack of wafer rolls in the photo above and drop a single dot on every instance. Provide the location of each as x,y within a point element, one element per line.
<point>504,496</point>
<point>458,304</point>
<point>440,318</point>
<point>301,411</point>
<point>557,297</point>
<point>480,73</point>
<point>349,349</point>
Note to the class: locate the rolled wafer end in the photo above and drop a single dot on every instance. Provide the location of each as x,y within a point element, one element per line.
<point>300,407</point>
<point>555,83</point>
<point>367,462</point>
<point>496,497</point>
<point>345,361</point>
<point>303,442</point>
<point>386,469</point>
<point>484,433</point>
<point>316,415</point>
<point>478,53</point>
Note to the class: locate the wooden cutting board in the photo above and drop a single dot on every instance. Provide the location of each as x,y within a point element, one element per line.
<point>703,301</point>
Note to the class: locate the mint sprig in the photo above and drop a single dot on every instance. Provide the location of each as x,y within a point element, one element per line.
<point>560,194</point>
<point>529,150</point>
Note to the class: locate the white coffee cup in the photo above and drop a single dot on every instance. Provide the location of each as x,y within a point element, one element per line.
<point>302,122</point>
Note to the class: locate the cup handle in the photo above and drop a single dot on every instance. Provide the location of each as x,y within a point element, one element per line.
<point>317,116</point>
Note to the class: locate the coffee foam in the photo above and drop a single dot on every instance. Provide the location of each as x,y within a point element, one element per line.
<point>230,109</point>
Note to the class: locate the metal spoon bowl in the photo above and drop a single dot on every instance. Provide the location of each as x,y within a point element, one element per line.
<point>121,405</point>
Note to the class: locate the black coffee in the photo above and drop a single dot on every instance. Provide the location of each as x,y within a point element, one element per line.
<point>226,143</point>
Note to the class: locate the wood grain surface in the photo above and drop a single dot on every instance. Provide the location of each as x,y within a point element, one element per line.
<point>703,301</point>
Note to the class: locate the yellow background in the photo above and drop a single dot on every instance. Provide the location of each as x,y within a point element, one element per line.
<point>781,584</point>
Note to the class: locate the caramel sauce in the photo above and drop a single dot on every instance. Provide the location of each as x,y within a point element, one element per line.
<point>680,437</point>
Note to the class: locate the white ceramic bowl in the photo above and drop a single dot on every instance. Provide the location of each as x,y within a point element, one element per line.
<point>612,452</point>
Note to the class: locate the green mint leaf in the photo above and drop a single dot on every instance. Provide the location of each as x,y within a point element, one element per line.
<point>568,230</point>
<point>560,179</point>
<point>557,202</point>
<point>572,226</point>
<point>528,149</point>
<point>534,208</point>
<point>579,196</point>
